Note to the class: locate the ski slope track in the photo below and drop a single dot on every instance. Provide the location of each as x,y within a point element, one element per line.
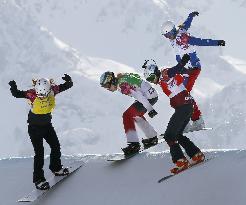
<point>134,181</point>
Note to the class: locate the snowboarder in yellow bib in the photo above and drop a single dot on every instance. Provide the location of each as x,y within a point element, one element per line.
<point>42,101</point>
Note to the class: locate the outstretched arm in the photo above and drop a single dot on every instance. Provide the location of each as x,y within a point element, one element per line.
<point>15,92</point>
<point>205,42</point>
<point>186,25</point>
<point>68,83</point>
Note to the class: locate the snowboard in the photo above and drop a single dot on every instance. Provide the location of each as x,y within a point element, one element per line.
<point>190,167</point>
<point>120,157</point>
<point>53,181</point>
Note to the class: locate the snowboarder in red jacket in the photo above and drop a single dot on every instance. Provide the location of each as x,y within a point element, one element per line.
<point>182,102</point>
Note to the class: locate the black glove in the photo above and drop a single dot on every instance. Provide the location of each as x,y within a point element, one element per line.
<point>221,43</point>
<point>194,13</point>
<point>67,77</point>
<point>152,113</point>
<point>12,84</point>
<point>145,64</point>
<point>185,59</point>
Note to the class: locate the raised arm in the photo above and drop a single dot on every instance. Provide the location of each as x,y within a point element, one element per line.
<point>186,25</point>
<point>68,83</point>
<point>15,92</point>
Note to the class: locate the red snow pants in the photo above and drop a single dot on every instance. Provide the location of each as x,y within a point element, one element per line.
<point>129,117</point>
<point>190,81</point>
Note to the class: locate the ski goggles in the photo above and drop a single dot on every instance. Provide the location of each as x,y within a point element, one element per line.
<point>171,34</point>
<point>106,85</point>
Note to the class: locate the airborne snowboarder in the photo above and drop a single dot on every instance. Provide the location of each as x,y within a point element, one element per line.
<point>182,102</point>
<point>42,100</point>
<point>146,96</point>
<point>184,43</point>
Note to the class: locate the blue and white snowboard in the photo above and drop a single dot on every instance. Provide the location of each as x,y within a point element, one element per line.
<point>53,180</point>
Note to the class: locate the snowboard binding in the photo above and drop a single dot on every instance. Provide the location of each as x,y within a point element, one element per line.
<point>132,148</point>
<point>42,185</point>
<point>150,142</point>
<point>62,172</point>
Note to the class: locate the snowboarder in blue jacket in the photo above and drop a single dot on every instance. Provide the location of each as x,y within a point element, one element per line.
<point>184,43</point>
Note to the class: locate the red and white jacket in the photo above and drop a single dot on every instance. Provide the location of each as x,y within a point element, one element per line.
<point>175,89</point>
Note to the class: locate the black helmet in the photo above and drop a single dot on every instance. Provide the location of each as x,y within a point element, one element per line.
<point>107,79</point>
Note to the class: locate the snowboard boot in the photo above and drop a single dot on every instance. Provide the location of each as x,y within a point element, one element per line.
<point>198,158</point>
<point>150,142</point>
<point>132,148</point>
<point>197,125</point>
<point>62,172</point>
<point>181,164</point>
<point>42,185</point>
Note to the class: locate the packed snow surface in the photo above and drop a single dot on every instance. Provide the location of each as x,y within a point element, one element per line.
<point>219,181</point>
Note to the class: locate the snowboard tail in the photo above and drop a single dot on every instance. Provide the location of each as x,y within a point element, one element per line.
<point>53,181</point>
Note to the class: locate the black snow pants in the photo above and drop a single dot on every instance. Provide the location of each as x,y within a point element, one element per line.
<point>37,133</point>
<point>174,133</point>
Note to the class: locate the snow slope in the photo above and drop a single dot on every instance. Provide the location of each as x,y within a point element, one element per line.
<point>35,42</point>
<point>134,181</point>
<point>226,113</point>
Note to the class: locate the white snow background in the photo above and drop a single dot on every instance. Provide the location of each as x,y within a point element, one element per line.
<point>47,38</point>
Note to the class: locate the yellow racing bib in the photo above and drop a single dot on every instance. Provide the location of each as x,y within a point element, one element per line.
<point>43,105</point>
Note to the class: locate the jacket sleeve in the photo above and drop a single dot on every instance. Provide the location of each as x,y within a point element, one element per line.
<point>139,97</point>
<point>179,68</point>
<point>202,42</point>
<point>65,86</point>
<point>178,58</point>
<point>17,93</point>
<point>187,23</point>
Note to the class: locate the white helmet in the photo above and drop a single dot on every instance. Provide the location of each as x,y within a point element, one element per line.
<point>42,87</point>
<point>167,27</point>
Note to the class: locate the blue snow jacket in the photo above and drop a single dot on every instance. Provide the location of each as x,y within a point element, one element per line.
<point>184,41</point>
